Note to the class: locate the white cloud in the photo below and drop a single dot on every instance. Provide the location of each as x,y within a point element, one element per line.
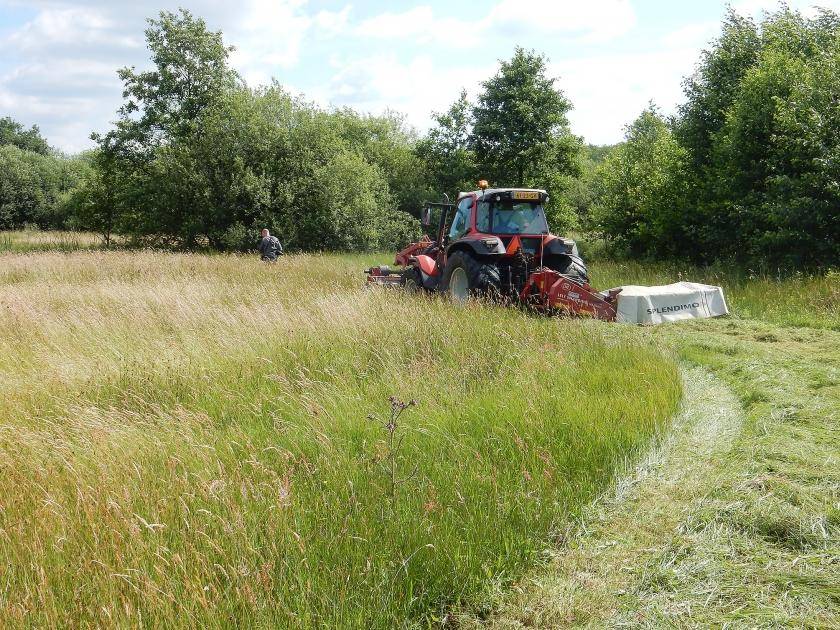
<point>269,36</point>
<point>609,91</point>
<point>698,35</point>
<point>419,24</point>
<point>332,22</point>
<point>59,70</point>
<point>592,20</point>
<point>415,88</point>
<point>595,20</point>
<point>756,8</point>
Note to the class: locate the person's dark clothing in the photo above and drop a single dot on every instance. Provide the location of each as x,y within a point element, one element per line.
<point>270,248</point>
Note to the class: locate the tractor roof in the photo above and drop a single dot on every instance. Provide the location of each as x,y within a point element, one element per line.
<point>493,191</point>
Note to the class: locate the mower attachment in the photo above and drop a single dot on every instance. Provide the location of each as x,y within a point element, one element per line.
<point>552,292</point>
<point>383,275</point>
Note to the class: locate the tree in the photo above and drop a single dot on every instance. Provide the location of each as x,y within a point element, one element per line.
<point>446,149</point>
<point>191,74</point>
<point>520,129</point>
<point>34,187</point>
<point>389,143</point>
<point>148,150</point>
<point>640,190</point>
<point>750,173</point>
<point>713,87</point>
<point>197,158</point>
<point>13,133</point>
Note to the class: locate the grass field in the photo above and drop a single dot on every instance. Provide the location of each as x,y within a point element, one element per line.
<point>200,440</point>
<point>185,440</point>
<point>735,520</point>
<point>41,241</point>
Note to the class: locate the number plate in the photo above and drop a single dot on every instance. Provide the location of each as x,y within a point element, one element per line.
<point>526,195</point>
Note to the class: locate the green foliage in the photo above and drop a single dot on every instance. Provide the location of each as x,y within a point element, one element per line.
<point>13,133</point>
<point>516,135</point>
<point>388,143</point>
<point>520,129</point>
<point>197,158</point>
<point>191,74</point>
<point>446,150</point>
<point>200,425</point>
<point>711,90</point>
<point>35,188</point>
<point>640,190</point>
<point>751,166</point>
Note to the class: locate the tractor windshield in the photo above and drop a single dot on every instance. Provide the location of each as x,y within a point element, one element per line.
<point>511,217</point>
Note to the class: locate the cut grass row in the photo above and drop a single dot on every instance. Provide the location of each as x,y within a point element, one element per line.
<point>738,525</point>
<point>185,440</point>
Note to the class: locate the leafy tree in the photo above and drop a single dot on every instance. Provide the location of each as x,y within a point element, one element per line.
<point>34,187</point>
<point>640,190</point>
<point>191,74</point>
<point>521,137</point>
<point>160,116</point>
<point>389,143</point>
<point>13,133</point>
<point>197,158</point>
<point>446,149</point>
<point>520,129</point>
<point>93,204</point>
<point>713,87</point>
<point>750,173</point>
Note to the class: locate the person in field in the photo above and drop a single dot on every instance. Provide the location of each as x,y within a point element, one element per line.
<point>270,247</point>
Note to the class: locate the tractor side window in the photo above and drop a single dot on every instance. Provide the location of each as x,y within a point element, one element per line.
<point>431,230</point>
<point>462,219</point>
<point>482,218</point>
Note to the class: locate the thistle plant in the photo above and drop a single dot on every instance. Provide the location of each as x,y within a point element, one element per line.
<point>393,444</point>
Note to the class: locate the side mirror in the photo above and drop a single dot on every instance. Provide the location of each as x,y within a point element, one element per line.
<point>426,216</point>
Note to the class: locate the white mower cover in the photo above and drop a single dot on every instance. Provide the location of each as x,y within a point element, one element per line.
<point>670,303</point>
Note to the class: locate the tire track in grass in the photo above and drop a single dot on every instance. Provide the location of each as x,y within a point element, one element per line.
<point>591,577</point>
<point>734,521</point>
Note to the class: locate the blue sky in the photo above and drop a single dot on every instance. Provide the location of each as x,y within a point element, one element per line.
<point>58,58</point>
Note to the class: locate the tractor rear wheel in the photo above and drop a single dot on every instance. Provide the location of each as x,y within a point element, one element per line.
<point>569,267</point>
<point>464,277</point>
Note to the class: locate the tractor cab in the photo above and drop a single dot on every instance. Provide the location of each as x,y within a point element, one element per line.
<point>501,230</point>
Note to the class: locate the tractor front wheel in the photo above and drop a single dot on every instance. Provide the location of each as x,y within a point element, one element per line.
<point>412,281</point>
<point>464,277</point>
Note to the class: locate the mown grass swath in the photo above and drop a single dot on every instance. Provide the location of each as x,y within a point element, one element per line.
<point>185,440</point>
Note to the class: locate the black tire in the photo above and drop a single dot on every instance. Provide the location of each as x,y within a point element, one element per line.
<point>482,278</point>
<point>413,281</point>
<point>569,266</point>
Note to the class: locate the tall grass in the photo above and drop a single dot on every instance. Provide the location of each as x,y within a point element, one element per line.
<point>47,240</point>
<point>186,440</point>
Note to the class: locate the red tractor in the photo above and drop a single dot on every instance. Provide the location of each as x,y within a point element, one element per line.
<point>495,243</point>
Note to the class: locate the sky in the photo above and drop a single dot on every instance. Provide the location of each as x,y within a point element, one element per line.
<point>59,58</point>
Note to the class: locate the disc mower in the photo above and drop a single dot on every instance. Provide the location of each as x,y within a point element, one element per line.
<point>495,243</point>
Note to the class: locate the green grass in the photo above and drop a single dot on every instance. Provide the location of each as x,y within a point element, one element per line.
<point>39,241</point>
<point>735,523</point>
<point>185,441</point>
